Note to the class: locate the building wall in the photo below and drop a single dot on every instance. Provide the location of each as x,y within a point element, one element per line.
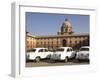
<point>57,41</point>
<point>30,42</point>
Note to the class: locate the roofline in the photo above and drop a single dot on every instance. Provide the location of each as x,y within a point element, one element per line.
<point>52,36</point>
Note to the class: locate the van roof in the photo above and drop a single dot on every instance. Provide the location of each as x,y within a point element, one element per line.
<point>85,47</point>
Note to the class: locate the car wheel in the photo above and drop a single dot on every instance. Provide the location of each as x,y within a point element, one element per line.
<point>66,59</point>
<point>37,59</point>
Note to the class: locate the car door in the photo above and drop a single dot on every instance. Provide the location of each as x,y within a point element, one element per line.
<point>46,52</point>
<point>69,52</point>
<point>41,53</point>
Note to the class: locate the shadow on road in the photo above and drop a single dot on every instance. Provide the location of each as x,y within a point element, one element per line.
<point>59,61</point>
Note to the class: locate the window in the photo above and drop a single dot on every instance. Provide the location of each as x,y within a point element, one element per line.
<point>57,43</point>
<point>37,42</point>
<point>46,50</point>
<point>75,42</point>
<point>41,50</point>
<point>84,49</point>
<point>68,50</point>
<point>41,43</point>
<point>80,41</point>
<point>48,43</point>
<point>52,42</point>
<point>70,42</point>
<point>71,49</point>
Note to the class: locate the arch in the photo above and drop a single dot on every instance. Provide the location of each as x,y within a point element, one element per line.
<point>64,42</point>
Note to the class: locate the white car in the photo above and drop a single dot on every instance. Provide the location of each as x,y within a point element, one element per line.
<point>83,53</point>
<point>38,53</point>
<point>63,53</point>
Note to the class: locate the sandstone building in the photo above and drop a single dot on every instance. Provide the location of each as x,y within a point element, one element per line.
<point>65,37</point>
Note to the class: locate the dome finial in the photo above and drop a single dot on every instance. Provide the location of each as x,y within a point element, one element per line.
<point>66,19</point>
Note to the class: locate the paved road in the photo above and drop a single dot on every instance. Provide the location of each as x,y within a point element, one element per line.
<point>56,63</point>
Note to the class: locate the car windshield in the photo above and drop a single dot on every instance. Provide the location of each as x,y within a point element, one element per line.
<point>32,50</point>
<point>84,49</point>
<point>60,49</point>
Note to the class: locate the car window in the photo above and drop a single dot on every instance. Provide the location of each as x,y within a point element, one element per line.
<point>46,50</point>
<point>41,50</point>
<point>71,49</point>
<point>60,49</point>
<point>84,49</point>
<point>68,50</point>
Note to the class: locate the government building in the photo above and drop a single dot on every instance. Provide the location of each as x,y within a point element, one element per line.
<point>65,37</point>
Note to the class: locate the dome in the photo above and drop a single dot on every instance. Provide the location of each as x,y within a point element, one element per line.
<point>66,28</point>
<point>67,24</point>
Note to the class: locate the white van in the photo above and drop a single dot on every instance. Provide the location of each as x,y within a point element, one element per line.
<point>38,53</point>
<point>63,53</point>
<point>83,53</point>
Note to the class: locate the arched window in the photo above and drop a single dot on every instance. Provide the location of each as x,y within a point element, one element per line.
<point>64,43</point>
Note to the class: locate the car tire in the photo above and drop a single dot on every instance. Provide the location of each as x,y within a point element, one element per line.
<point>37,59</point>
<point>66,59</point>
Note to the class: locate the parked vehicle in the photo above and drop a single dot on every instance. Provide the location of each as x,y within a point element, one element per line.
<point>37,54</point>
<point>83,53</point>
<point>63,53</point>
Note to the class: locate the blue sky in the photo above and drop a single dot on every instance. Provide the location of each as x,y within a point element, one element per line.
<point>50,24</point>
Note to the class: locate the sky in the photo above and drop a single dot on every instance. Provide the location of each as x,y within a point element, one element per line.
<point>50,23</point>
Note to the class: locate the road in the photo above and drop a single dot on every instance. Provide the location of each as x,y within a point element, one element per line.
<point>54,63</point>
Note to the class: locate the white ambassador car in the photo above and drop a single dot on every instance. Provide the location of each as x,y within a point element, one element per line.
<point>83,53</point>
<point>63,53</point>
<point>38,53</point>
